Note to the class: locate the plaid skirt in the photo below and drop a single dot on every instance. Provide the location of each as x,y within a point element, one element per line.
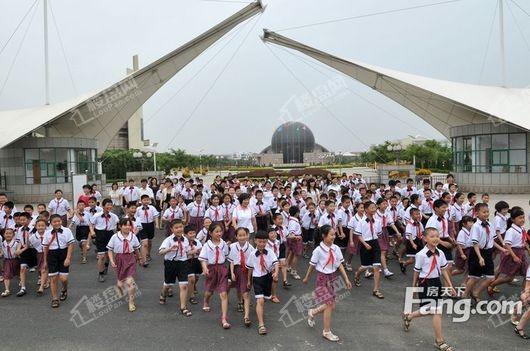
<point>325,289</point>
<point>510,268</point>
<point>11,268</point>
<point>295,245</point>
<point>217,279</point>
<point>353,249</point>
<point>40,261</point>
<point>126,266</point>
<point>196,223</point>
<point>459,262</point>
<point>383,240</point>
<point>240,284</point>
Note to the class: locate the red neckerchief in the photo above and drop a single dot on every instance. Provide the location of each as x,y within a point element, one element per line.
<point>331,258</point>
<point>434,263</point>
<point>125,248</point>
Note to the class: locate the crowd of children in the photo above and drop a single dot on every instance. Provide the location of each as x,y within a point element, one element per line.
<point>247,235</point>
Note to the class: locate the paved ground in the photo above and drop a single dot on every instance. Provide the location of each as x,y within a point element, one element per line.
<point>363,322</point>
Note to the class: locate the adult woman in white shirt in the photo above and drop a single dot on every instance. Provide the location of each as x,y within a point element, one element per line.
<point>115,194</point>
<point>243,216</point>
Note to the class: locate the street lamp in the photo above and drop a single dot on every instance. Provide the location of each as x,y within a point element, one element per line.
<point>396,148</point>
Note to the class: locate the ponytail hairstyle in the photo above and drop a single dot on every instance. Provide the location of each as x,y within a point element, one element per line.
<point>501,205</point>
<point>515,212</point>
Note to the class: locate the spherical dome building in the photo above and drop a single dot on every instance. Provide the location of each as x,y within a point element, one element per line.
<point>292,140</point>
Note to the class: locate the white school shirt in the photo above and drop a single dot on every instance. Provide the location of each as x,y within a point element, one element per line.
<point>457,212</point>
<point>196,210</point>
<point>281,233</point>
<point>94,210</point>
<point>59,239</point>
<point>118,246</point>
<point>195,244</point>
<point>146,214</point>
<point>254,262</point>
<point>414,230</point>
<point>81,220</point>
<point>393,213</point>
<point>182,246</point>
<point>515,236</point>
<point>367,231</point>
<point>173,213</point>
<point>344,216</point>
<point>102,222</point>
<point>441,224</point>
<point>202,235</point>
<point>406,192</point>
<point>326,259</point>
<point>385,218</point>
<point>227,211</point>
<point>406,214</point>
<point>36,240</point>
<point>480,235</point>
<point>188,194</point>
<point>310,221</point>
<point>329,219</point>
<point>499,223</point>
<point>263,207</point>
<point>437,195</point>
<point>470,210</point>
<point>209,249</point>
<point>294,227</point>
<point>423,263</point>
<point>9,248</point>
<point>354,221</point>
<point>59,207</point>
<point>273,203</point>
<point>243,218</point>
<point>133,222</point>
<point>215,213</point>
<point>427,206</point>
<point>22,235</point>
<point>235,252</point>
<point>274,246</point>
<point>131,194</point>
<point>146,191</point>
<point>464,238</point>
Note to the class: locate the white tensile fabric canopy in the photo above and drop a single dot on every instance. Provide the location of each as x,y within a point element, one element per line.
<point>442,104</point>
<point>101,115</point>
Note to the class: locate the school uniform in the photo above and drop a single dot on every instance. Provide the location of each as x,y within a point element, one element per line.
<point>82,225</point>
<point>281,234</point>
<point>215,257</point>
<point>516,238</point>
<point>146,216</point>
<point>483,234</point>
<point>343,216</point>
<point>429,265</point>
<point>426,208</point>
<point>131,194</point>
<point>309,225</point>
<point>6,221</point>
<point>11,262</point>
<point>456,213</point>
<point>326,260</point>
<point>442,225</point>
<point>294,243</point>
<point>470,210</point>
<point>61,207</point>
<point>28,258</point>
<point>500,223</point>
<point>215,214</point>
<point>176,263</point>
<point>406,213</point>
<point>262,264</point>
<point>35,241</point>
<point>414,231</point>
<point>261,209</point>
<point>171,214</point>
<point>147,191</point>
<point>239,256</point>
<point>385,222</point>
<point>369,229</point>
<point>274,246</point>
<point>188,194</point>
<point>227,210</point>
<point>352,225</point>
<point>57,242</point>
<point>464,240</point>
<point>123,248</point>
<point>104,227</point>
<point>196,215</point>
<point>195,268</point>
<point>408,191</point>
<point>394,215</point>
<point>94,210</point>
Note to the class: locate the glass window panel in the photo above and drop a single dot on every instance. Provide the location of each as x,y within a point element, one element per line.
<point>518,141</point>
<point>483,142</point>
<point>29,180</point>
<point>47,155</point>
<point>500,157</point>
<point>61,155</point>
<point>518,169</point>
<point>499,141</point>
<point>459,144</point>
<point>517,157</point>
<point>31,154</point>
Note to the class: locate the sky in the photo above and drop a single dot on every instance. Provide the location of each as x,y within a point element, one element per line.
<point>246,92</point>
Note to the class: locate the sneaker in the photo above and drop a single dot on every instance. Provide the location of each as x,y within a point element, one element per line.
<point>22,292</point>
<point>295,275</point>
<point>388,274</point>
<point>348,267</point>
<point>32,269</point>
<point>83,260</point>
<point>330,336</point>
<point>38,281</point>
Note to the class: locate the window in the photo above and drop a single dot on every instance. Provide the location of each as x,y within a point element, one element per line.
<point>497,153</point>
<point>50,166</point>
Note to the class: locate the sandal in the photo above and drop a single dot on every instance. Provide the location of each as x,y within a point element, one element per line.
<point>247,322</point>
<point>443,346</point>
<point>186,312</point>
<point>169,292</point>
<point>330,336</point>
<point>310,318</point>
<point>55,303</point>
<point>225,324</point>
<point>6,293</point>
<point>21,292</point>
<point>286,284</point>
<point>275,299</point>
<point>206,308</point>
<point>406,322</point>
<point>162,299</point>
<point>132,307</point>
<point>378,294</point>
<point>262,330</point>
<point>64,295</point>
<point>193,301</point>
<point>240,307</point>
<point>357,281</point>
<point>40,292</point>
<point>520,333</point>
